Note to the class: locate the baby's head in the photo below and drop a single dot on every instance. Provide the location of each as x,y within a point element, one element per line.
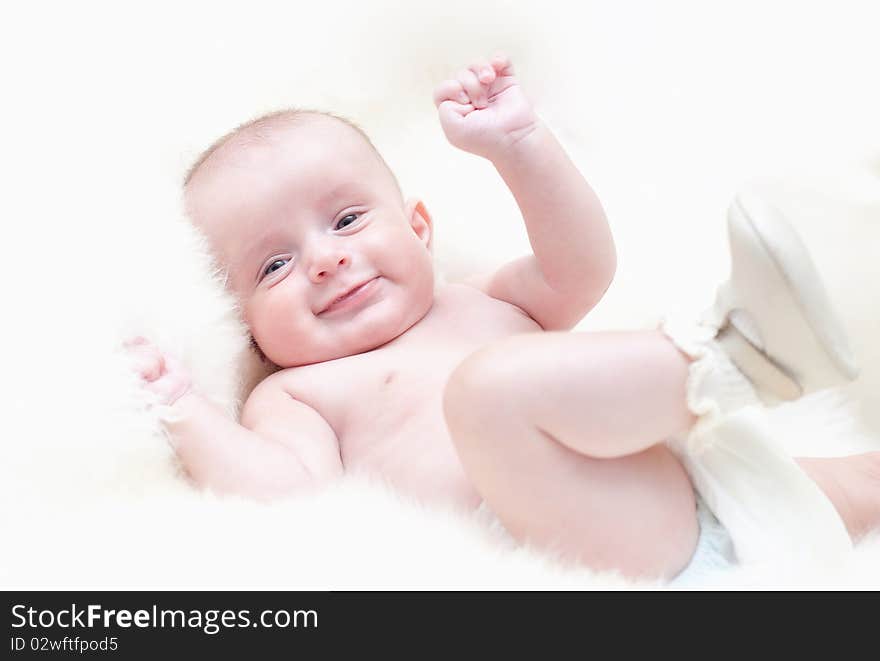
<point>299,208</point>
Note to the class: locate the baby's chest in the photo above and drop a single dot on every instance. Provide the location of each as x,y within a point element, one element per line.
<point>398,390</point>
<point>386,405</point>
<point>397,431</point>
<point>396,405</point>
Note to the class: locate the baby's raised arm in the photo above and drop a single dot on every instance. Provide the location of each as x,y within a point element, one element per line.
<point>484,111</point>
<point>282,446</point>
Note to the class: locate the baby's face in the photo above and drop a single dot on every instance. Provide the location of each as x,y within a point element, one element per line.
<point>304,218</point>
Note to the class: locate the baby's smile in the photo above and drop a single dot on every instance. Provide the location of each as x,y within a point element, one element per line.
<point>352,299</point>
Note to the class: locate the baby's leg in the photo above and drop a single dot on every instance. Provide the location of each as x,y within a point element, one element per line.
<point>852,484</point>
<point>561,433</point>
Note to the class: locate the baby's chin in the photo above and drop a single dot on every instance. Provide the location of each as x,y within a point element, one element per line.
<point>313,358</point>
<point>365,338</point>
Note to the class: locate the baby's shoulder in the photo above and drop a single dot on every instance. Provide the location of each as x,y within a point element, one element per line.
<point>269,387</point>
<point>461,293</point>
<point>292,382</point>
<point>470,295</point>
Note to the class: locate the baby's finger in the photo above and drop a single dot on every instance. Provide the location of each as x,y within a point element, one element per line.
<point>147,367</point>
<point>483,71</point>
<point>147,361</point>
<point>502,64</point>
<point>176,380</point>
<point>449,90</point>
<point>453,113</point>
<point>473,88</point>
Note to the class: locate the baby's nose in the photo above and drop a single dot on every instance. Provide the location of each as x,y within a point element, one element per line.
<point>326,265</point>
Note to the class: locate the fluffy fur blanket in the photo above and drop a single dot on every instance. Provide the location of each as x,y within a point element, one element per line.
<point>91,497</point>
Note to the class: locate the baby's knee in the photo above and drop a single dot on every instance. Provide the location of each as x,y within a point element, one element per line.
<point>485,379</point>
<point>481,393</point>
<point>470,380</point>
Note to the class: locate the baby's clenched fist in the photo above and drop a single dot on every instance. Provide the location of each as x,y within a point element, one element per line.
<point>483,110</point>
<point>162,374</point>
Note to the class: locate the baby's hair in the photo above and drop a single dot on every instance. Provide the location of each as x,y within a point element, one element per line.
<point>265,125</point>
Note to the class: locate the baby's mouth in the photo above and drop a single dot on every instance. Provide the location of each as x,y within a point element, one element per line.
<point>346,296</point>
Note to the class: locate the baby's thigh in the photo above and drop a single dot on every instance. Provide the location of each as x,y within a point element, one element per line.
<point>635,513</point>
<point>604,394</point>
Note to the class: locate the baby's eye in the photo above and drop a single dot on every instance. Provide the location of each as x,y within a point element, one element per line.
<point>346,220</point>
<point>275,265</point>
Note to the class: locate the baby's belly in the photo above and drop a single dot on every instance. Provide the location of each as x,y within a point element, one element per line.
<point>417,457</point>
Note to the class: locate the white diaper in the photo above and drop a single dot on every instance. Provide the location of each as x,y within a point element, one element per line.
<point>740,467</point>
<point>714,552</point>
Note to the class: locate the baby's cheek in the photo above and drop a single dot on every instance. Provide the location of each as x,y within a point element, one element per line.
<point>418,279</point>
<point>409,257</point>
<point>270,316</point>
<point>283,342</point>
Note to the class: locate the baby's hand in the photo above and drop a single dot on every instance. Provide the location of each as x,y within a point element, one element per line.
<point>484,111</point>
<point>163,375</point>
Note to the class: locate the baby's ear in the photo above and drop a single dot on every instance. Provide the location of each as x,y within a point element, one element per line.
<point>420,220</point>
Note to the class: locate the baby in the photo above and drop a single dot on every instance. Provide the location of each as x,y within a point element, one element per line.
<point>467,394</point>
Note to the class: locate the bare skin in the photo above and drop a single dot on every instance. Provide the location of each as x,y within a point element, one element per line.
<point>495,401</point>
<point>560,488</point>
<point>456,393</point>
